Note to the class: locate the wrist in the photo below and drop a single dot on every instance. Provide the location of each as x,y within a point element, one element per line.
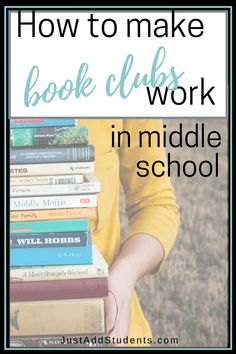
<point>124,271</point>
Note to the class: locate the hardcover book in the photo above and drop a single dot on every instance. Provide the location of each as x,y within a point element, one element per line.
<point>44,136</point>
<point>48,226</point>
<point>90,185</point>
<point>52,154</point>
<point>46,180</point>
<point>97,269</point>
<point>71,168</point>
<point>47,239</point>
<point>49,214</point>
<point>57,317</point>
<point>54,202</point>
<point>50,256</point>
<point>58,289</point>
<point>41,122</point>
<point>66,340</point>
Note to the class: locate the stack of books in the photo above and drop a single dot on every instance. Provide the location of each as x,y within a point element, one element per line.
<point>58,278</point>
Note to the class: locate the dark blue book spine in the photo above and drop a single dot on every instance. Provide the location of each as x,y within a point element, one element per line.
<point>50,256</point>
<point>54,154</point>
<point>54,239</point>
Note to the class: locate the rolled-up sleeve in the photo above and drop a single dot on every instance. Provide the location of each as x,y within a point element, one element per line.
<point>150,201</point>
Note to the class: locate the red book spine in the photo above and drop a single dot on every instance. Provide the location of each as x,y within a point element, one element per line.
<point>58,289</point>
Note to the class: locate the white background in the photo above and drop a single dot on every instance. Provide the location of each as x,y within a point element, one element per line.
<point>59,59</point>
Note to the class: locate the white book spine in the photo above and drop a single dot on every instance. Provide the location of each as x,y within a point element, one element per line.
<point>53,202</point>
<point>57,272</point>
<point>51,168</point>
<point>46,180</point>
<point>81,188</point>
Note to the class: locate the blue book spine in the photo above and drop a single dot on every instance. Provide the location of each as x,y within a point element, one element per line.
<point>52,154</point>
<point>31,123</point>
<point>50,256</point>
<point>54,239</point>
<point>26,227</point>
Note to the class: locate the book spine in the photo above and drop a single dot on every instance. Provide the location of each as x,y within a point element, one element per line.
<point>58,289</point>
<point>53,202</point>
<point>41,136</point>
<point>48,226</point>
<point>49,214</point>
<point>52,168</point>
<point>54,239</point>
<point>60,272</point>
<point>65,340</point>
<point>57,317</point>
<point>37,342</point>
<point>46,180</point>
<point>50,256</point>
<point>52,155</point>
<point>81,188</point>
<point>38,122</point>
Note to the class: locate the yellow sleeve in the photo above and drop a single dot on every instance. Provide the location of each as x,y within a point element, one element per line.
<point>150,202</point>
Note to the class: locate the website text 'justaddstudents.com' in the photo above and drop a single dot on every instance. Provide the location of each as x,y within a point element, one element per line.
<point>114,341</point>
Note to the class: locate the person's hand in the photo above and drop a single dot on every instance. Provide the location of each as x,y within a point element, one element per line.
<point>138,256</point>
<point>121,284</point>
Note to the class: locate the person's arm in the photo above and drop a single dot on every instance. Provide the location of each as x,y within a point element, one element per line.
<point>139,255</point>
<point>153,224</point>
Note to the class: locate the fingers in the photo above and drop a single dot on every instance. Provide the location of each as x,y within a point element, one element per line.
<point>117,323</point>
<point>111,313</point>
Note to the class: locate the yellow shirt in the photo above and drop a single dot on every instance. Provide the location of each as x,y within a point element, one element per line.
<point>150,201</point>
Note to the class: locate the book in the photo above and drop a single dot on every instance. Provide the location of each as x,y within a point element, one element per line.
<point>48,214</point>
<point>52,168</point>
<point>41,122</point>
<point>50,256</point>
<point>46,180</point>
<point>52,154</point>
<point>99,268</point>
<point>48,226</point>
<point>44,136</point>
<point>66,340</point>
<point>47,239</point>
<point>57,317</point>
<point>90,185</point>
<point>58,289</point>
<point>53,202</point>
